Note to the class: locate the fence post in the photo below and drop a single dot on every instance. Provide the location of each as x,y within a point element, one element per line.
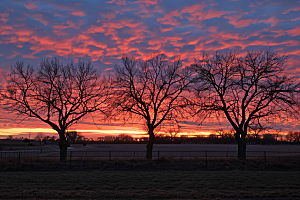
<point>227,154</point>
<point>206,159</point>
<point>134,154</point>
<point>265,156</point>
<point>109,155</point>
<point>19,157</point>
<point>157,154</point>
<point>85,153</point>
<point>70,159</point>
<point>41,149</point>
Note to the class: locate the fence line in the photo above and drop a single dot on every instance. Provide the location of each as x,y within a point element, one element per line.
<point>47,153</point>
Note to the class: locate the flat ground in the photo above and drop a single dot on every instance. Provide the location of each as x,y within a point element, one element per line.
<point>159,179</point>
<point>191,147</point>
<point>150,185</point>
<point>133,151</point>
<point>19,145</point>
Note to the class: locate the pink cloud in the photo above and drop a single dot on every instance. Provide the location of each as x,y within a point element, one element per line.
<point>3,17</point>
<point>159,42</point>
<point>273,21</point>
<point>238,22</point>
<point>109,15</point>
<point>166,29</point>
<point>295,19</point>
<point>186,32</point>
<point>292,9</point>
<point>194,9</point>
<point>169,18</point>
<point>147,2</point>
<point>294,32</point>
<point>68,24</point>
<point>38,17</point>
<point>30,6</point>
<point>78,13</point>
<point>96,29</point>
<point>213,29</point>
<point>145,12</point>
<point>211,13</point>
<point>198,13</point>
<point>118,2</point>
<point>129,23</point>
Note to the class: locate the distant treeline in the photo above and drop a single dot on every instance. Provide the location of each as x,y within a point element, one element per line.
<point>218,137</point>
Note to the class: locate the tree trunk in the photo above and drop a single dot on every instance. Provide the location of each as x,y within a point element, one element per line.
<point>63,152</point>
<point>63,146</point>
<point>150,145</point>
<point>242,149</point>
<point>240,138</point>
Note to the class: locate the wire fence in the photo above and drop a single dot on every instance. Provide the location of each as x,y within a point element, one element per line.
<point>110,155</point>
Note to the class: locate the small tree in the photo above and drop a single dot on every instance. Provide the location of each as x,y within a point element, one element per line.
<point>124,138</point>
<point>73,136</point>
<point>295,136</point>
<point>172,131</point>
<point>55,94</point>
<point>245,89</point>
<point>257,129</point>
<point>10,137</point>
<point>151,90</point>
<point>39,137</point>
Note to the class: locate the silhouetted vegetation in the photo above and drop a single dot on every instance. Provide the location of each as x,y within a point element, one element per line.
<point>248,91</point>
<point>244,90</point>
<point>152,91</point>
<point>58,95</point>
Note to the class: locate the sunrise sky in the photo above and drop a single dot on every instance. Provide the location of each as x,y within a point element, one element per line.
<point>103,30</point>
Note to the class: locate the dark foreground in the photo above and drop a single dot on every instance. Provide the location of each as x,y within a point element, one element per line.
<point>141,179</point>
<point>150,185</point>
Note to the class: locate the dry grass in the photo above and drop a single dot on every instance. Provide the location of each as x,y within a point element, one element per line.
<point>149,184</point>
<point>163,164</point>
<point>142,179</point>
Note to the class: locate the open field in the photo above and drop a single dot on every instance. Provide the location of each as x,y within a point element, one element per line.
<point>137,151</point>
<point>157,179</point>
<point>151,185</point>
<point>11,145</point>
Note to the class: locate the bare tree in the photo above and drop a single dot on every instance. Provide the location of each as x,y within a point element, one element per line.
<point>73,136</point>
<point>124,138</point>
<point>57,95</point>
<point>257,129</point>
<point>153,91</point>
<point>245,89</point>
<point>10,137</point>
<point>172,132</point>
<point>295,136</point>
<point>225,134</point>
<point>39,137</point>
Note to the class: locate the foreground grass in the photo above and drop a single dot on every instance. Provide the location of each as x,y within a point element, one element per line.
<point>100,184</point>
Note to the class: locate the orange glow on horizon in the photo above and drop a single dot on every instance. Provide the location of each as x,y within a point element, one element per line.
<point>24,132</point>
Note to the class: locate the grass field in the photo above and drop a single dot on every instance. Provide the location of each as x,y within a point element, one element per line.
<point>150,185</point>
<point>157,179</point>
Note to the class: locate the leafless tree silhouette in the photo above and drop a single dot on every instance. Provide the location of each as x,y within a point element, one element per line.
<point>73,136</point>
<point>39,137</point>
<point>152,90</point>
<point>55,94</point>
<point>245,89</point>
<point>257,129</point>
<point>172,132</point>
